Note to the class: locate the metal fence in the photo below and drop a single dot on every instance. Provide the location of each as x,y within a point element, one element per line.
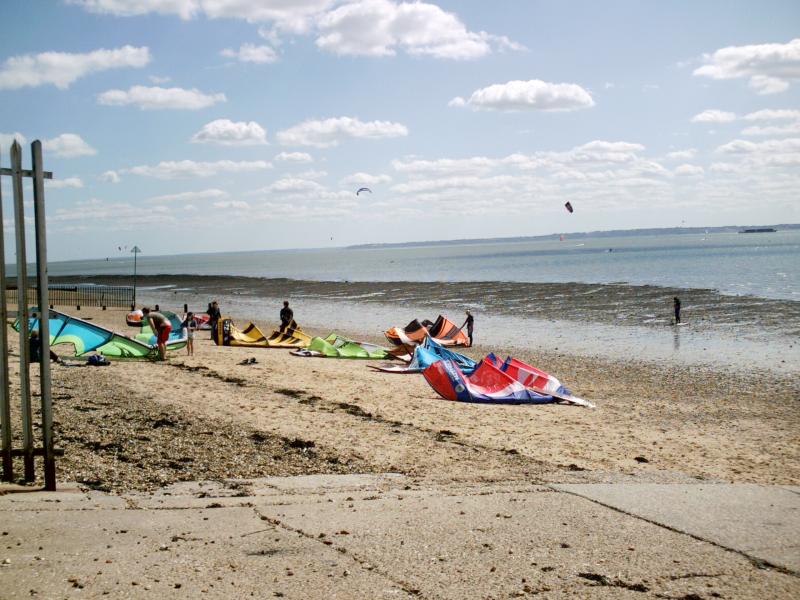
<point>77,295</point>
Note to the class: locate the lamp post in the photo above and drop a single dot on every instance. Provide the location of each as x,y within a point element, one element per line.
<point>136,250</point>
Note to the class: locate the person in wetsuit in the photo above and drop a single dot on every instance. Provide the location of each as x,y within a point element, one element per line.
<point>287,316</point>
<point>469,324</point>
<point>676,305</point>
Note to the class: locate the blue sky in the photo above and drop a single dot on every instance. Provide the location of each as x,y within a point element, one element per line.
<point>212,125</point>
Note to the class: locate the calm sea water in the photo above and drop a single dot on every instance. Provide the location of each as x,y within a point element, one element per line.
<point>765,265</point>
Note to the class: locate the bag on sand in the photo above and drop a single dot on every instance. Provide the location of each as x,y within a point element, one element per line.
<point>97,360</point>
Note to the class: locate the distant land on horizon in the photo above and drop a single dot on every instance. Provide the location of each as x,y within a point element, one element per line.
<point>578,235</point>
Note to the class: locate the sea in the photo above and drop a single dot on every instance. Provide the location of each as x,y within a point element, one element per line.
<point>606,296</point>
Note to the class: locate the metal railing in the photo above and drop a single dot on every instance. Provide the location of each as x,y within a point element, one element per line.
<point>77,295</point>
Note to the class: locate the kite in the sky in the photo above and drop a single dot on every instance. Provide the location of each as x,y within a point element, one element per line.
<point>364,189</point>
<point>568,206</point>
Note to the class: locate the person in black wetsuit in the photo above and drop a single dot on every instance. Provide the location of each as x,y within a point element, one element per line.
<point>287,316</point>
<point>676,304</point>
<point>214,315</point>
<point>469,323</point>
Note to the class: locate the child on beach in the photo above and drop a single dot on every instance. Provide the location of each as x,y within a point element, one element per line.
<point>190,325</point>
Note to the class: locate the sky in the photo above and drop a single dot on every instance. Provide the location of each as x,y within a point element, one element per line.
<point>220,125</point>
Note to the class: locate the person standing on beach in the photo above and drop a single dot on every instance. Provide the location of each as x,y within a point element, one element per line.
<point>469,323</point>
<point>287,316</point>
<point>214,315</point>
<point>676,305</point>
<point>190,325</point>
<point>161,328</point>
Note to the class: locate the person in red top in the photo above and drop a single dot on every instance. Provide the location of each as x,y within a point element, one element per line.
<point>161,328</point>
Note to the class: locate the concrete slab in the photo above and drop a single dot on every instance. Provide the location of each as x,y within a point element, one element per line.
<point>320,483</point>
<point>68,497</point>
<point>501,545</point>
<point>345,537</point>
<point>218,553</point>
<point>760,521</point>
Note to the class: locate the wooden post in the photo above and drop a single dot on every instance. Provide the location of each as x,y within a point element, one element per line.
<point>5,399</point>
<point>44,316</point>
<point>22,312</point>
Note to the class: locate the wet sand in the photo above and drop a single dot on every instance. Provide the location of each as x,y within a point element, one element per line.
<point>653,422</point>
<point>611,304</point>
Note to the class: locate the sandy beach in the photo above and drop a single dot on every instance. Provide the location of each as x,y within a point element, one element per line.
<point>652,423</point>
<point>331,480</point>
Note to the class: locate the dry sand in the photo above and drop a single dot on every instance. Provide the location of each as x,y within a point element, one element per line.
<point>287,415</point>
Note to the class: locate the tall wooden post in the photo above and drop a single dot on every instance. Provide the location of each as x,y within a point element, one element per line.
<point>22,312</point>
<point>44,316</point>
<point>5,397</point>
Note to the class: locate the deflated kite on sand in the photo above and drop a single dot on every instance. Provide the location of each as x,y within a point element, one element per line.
<point>252,337</point>
<point>443,330</point>
<point>425,355</point>
<point>492,382</point>
<point>86,337</point>
<point>337,346</point>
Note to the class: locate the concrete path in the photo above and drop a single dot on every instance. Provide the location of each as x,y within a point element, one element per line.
<point>386,536</point>
<point>759,521</point>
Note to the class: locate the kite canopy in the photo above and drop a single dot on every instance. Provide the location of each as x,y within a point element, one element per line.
<point>363,189</point>
<point>537,380</point>
<point>486,385</point>
<point>337,346</point>
<point>444,331</point>
<point>86,337</point>
<point>252,337</point>
<point>177,334</point>
<point>568,206</point>
<point>428,353</point>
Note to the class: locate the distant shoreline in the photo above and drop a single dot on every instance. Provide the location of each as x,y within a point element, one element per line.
<point>578,235</point>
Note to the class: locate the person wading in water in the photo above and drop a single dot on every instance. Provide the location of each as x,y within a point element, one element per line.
<point>469,324</point>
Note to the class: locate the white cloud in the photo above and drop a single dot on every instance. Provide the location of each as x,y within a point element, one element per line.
<point>687,154</point>
<point>295,157</point>
<point>382,27</point>
<point>528,95</point>
<point>344,27</point>
<point>237,204</point>
<point>776,130</point>
<point>765,85</point>
<point>773,115</point>
<point>159,80</point>
<point>112,216</point>
<point>69,182</point>
<point>253,54</point>
<point>444,165</point>
<point>295,16</point>
<point>365,179</point>
<point>186,9</point>
<point>769,67</point>
<point>714,116</point>
<point>311,174</point>
<point>292,185</point>
<point>210,194</point>
<point>6,139</point>
<point>190,168</point>
<point>155,98</point>
<point>689,170</point>
<point>330,132</point>
<point>228,133</point>
<point>68,145</point>
<point>110,177</point>
<point>719,167</point>
<point>746,147</point>
<point>62,69</point>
